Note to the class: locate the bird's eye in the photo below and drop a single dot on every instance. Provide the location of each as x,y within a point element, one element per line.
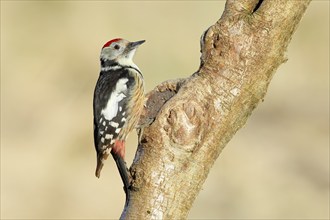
<point>117,47</point>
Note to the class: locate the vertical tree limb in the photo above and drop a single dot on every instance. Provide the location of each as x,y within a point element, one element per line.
<point>189,121</point>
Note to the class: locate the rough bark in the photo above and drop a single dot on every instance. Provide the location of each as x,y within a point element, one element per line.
<point>187,122</point>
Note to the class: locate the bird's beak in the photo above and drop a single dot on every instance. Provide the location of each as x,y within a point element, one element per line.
<point>133,45</point>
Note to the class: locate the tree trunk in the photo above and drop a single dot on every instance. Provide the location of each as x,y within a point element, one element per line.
<point>187,122</point>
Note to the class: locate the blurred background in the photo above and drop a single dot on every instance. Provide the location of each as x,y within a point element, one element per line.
<point>276,167</point>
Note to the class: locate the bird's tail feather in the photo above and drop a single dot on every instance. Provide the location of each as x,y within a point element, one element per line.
<point>123,171</point>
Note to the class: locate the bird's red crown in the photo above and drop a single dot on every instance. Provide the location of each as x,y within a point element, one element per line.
<point>110,42</point>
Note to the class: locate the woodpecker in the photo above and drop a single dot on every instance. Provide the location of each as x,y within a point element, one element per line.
<point>118,102</point>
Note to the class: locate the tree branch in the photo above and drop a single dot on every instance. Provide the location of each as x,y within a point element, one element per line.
<point>187,122</point>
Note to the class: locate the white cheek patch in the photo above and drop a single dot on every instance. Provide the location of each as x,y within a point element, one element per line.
<point>111,109</point>
<point>128,60</point>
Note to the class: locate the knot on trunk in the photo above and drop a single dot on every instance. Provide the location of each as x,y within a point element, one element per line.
<point>184,125</point>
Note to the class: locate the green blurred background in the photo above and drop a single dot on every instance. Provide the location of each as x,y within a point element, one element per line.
<point>276,167</point>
